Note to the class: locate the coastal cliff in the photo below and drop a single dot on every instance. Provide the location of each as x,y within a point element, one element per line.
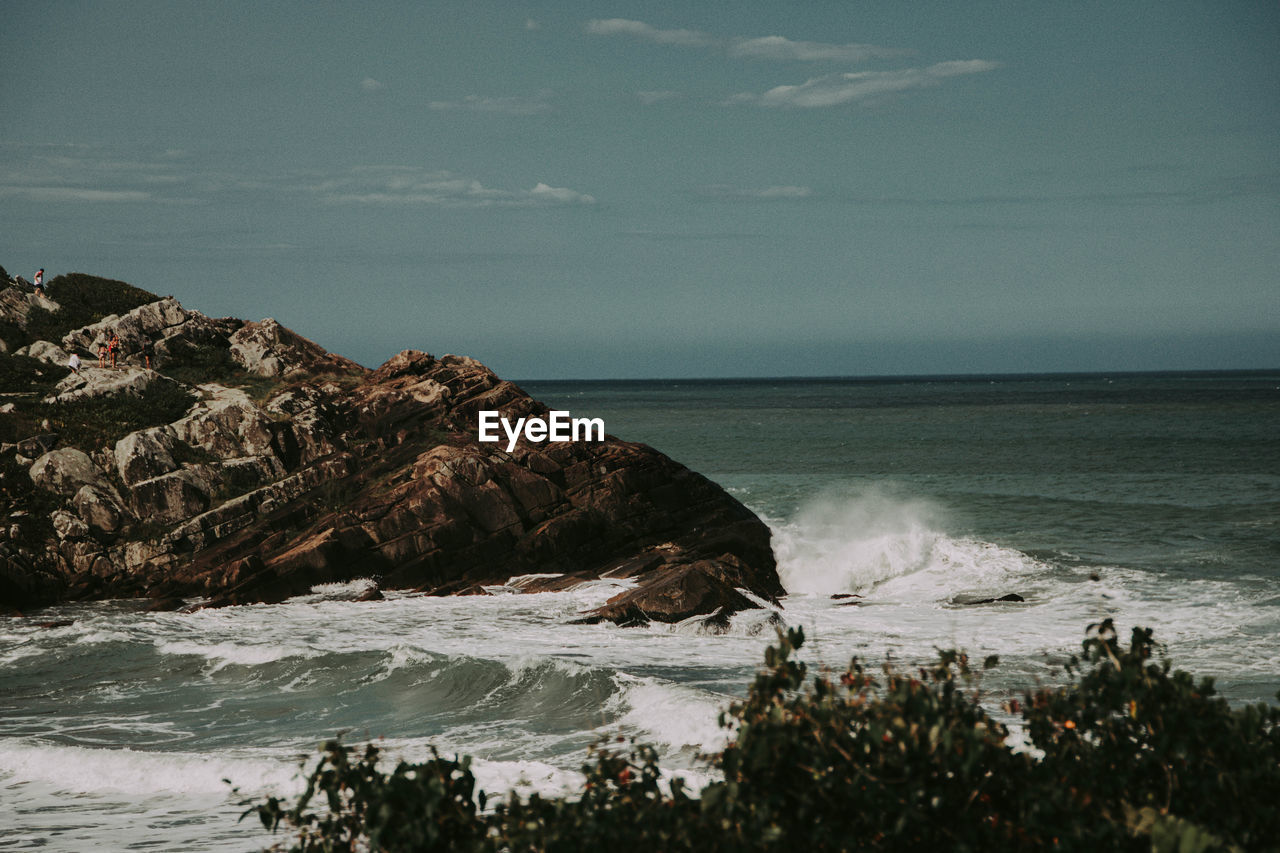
<point>223,461</point>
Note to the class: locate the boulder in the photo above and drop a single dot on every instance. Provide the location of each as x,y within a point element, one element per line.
<point>65,471</point>
<point>99,508</point>
<point>145,454</point>
<point>46,352</point>
<point>676,594</point>
<point>68,526</point>
<point>172,497</point>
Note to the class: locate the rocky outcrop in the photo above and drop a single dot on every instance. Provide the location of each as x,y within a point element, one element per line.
<point>105,382</point>
<point>343,473</point>
<point>269,349</point>
<point>17,303</point>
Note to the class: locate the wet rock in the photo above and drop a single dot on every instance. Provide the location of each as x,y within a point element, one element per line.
<point>1011,597</point>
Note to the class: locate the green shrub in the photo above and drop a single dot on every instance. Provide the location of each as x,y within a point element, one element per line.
<point>99,421</point>
<point>1135,757</point>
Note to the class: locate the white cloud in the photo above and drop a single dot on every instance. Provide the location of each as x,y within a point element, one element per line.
<point>559,195</point>
<point>641,30</point>
<point>780,48</point>
<point>514,105</point>
<point>835,89</point>
<point>774,193</point>
<point>407,185</point>
<point>371,85</point>
<point>531,24</point>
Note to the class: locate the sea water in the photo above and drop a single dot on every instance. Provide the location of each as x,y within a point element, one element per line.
<point>1154,499</point>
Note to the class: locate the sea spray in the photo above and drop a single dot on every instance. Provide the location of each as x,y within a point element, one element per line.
<point>849,541</point>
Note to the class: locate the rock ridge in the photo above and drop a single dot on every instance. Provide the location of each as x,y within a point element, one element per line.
<point>293,467</point>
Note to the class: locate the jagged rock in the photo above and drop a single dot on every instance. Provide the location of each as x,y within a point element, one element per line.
<point>145,454</point>
<point>145,322</point>
<point>227,424</point>
<point>269,349</point>
<point>347,473</point>
<point>65,470</point>
<point>16,304</point>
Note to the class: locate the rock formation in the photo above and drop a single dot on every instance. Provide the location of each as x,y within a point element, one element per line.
<point>300,467</point>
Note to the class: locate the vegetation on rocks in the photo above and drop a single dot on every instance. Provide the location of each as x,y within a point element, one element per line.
<point>1127,755</point>
<point>84,299</point>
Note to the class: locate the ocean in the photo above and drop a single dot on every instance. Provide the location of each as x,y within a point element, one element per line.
<point>1151,498</point>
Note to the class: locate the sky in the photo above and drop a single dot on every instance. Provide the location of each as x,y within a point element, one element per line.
<point>668,189</point>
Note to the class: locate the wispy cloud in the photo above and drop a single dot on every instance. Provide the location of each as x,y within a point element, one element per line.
<point>776,193</point>
<point>73,174</point>
<point>780,48</point>
<point>88,195</point>
<point>776,48</point>
<point>641,30</point>
<point>371,85</point>
<point>835,89</point>
<point>511,105</point>
<point>407,185</point>
<point>93,176</point>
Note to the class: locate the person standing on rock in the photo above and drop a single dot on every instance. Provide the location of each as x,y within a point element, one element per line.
<point>102,353</point>
<point>39,282</point>
<point>114,348</point>
<point>74,363</point>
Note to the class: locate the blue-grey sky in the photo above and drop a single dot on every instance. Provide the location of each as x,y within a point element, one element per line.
<point>668,189</point>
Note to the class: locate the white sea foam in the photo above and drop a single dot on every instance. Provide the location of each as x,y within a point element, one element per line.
<point>228,653</point>
<point>84,770</point>
<point>672,715</point>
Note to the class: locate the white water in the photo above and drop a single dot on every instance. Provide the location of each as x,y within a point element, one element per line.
<point>146,715</point>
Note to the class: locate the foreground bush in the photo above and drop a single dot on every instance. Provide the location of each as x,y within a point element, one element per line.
<point>1129,755</point>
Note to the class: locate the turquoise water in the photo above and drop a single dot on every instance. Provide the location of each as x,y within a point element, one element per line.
<point>1151,498</point>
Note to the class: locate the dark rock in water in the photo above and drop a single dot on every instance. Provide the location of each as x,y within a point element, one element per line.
<point>1013,596</point>
<point>675,595</point>
<point>166,605</point>
<point>839,596</point>
<point>342,472</point>
<point>55,623</point>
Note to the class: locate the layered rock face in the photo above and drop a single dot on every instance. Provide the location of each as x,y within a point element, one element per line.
<point>341,473</point>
